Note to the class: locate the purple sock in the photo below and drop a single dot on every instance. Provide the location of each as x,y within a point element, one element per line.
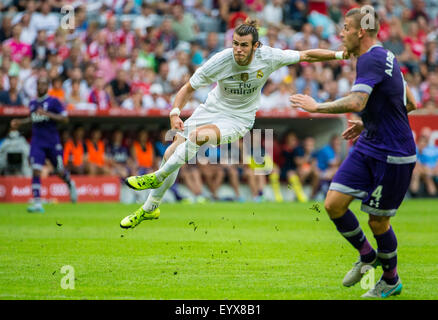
<point>387,253</point>
<point>349,227</point>
<point>36,188</point>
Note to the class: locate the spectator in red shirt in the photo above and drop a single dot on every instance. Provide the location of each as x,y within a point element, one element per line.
<point>99,96</point>
<point>125,36</point>
<point>96,50</point>
<point>413,41</point>
<point>60,44</point>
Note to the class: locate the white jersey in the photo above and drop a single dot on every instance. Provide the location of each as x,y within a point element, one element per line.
<point>237,93</point>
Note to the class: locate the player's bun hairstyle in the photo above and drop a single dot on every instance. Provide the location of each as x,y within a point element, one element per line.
<point>250,26</point>
<point>366,18</point>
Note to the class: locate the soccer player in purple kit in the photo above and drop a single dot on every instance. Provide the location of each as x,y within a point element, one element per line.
<point>45,112</point>
<point>378,171</point>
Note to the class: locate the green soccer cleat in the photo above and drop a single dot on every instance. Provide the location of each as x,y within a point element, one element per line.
<point>384,290</point>
<point>147,181</point>
<point>138,216</point>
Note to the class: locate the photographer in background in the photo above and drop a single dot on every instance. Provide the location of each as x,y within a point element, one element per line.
<point>14,154</point>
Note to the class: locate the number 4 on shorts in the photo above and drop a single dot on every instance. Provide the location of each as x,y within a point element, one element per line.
<point>377,194</point>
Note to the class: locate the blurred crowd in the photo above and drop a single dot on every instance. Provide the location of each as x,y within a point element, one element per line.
<point>136,54</point>
<point>294,161</point>
<point>116,152</point>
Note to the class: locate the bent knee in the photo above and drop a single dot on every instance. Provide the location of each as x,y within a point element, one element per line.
<point>334,209</point>
<point>336,204</point>
<point>379,225</point>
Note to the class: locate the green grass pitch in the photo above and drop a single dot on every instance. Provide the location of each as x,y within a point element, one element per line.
<point>210,251</point>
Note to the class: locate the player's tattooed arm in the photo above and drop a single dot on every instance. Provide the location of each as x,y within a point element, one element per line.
<point>315,55</point>
<point>354,102</point>
<point>411,104</point>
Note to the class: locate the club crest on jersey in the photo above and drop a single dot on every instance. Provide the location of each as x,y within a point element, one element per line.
<point>244,76</point>
<point>260,74</point>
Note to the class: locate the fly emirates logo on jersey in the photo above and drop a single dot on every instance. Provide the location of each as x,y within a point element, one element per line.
<point>244,88</point>
<point>243,83</point>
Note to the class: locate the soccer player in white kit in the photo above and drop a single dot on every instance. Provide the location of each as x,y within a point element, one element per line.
<point>227,115</point>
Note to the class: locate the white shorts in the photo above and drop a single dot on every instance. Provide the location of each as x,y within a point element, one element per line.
<point>231,128</point>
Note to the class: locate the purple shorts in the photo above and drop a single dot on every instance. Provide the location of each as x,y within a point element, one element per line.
<point>39,154</point>
<point>380,185</point>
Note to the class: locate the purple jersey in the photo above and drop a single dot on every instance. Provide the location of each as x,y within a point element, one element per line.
<point>387,135</point>
<point>119,154</point>
<point>44,129</point>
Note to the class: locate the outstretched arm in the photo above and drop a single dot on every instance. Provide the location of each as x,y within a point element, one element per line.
<point>315,55</point>
<point>354,102</point>
<point>16,123</point>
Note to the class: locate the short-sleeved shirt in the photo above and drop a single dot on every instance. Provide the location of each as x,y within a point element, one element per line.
<point>160,148</point>
<point>238,87</point>
<point>428,156</point>
<point>118,91</point>
<point>387,135</point>
<point>325,157</point>
<point>44,130</point>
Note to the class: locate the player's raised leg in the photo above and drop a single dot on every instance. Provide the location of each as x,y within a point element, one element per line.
<point>336,205</point>
<point>150,210</point>
<point>183,152</point>
<point>178,153</point>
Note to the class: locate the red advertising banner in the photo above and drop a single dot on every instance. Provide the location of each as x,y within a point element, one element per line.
<point>89,189</point>
<point>418,122</point>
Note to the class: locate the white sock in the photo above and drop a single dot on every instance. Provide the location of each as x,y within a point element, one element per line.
<point>184,152</point>
<point>156,195</point>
